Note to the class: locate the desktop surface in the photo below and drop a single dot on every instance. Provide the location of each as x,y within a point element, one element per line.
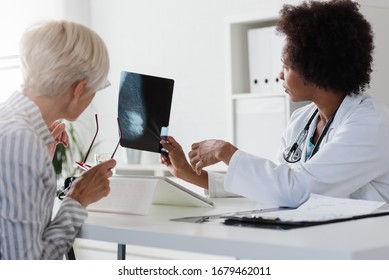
<point>360,239</point>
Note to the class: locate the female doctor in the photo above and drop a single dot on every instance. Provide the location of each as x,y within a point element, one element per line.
<point>338,145</point>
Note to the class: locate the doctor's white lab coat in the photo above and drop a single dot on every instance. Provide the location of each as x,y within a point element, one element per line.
<point>352,161</point>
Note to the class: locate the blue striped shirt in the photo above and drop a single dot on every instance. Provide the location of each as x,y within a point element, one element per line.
<point>28,188</point>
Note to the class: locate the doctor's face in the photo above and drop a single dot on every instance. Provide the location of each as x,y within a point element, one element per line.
<point>294,85</point>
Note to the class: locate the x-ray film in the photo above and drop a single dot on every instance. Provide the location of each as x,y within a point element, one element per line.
<point>144,110</point>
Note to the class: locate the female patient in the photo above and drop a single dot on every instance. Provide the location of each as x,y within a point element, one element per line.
<point>63,64</point>
<point>338,145</point>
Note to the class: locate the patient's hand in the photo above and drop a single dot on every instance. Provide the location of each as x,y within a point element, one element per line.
<point>93,184</point>
<point>58,131</point>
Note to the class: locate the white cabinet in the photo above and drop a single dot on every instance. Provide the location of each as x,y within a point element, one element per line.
<point>259,123</point>
<point>259,109</point>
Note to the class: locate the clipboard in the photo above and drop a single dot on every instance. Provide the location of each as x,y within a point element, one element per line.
<point>277,223</point>
<point>317,210</point>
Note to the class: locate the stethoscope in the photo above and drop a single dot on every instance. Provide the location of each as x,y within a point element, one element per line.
<point>293,153</point>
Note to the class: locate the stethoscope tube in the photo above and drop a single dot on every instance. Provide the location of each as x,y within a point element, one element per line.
<point>294,153</point>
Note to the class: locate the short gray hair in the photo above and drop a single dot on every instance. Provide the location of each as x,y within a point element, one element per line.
<point>55,55</point>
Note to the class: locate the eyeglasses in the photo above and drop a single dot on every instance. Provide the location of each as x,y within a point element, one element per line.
<point>68,182</point>
<point>83,165</point>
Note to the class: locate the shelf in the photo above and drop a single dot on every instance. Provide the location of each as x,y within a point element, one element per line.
<point>238,43</point>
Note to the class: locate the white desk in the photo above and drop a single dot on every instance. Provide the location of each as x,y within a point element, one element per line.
<point>361,239</point>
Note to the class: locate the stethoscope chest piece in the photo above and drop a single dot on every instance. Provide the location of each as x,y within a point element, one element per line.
<point>292,154</point>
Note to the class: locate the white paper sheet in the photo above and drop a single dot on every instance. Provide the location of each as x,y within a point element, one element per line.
<point>322,208</point>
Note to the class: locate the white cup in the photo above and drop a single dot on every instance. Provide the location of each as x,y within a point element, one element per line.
<point>101,157</point>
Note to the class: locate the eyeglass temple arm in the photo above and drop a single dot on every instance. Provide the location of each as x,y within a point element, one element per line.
<point>93,141</point>
<point>120,137</point>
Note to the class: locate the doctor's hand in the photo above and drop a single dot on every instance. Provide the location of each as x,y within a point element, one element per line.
<point>58,131</point>
<point>209,152</point>
<point>175,161</point>
<point>179,166</point>
<point>93,184</point>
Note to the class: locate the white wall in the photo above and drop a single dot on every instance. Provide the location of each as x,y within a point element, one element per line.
<point>15,16</point>
<point>183,40</point>
<point>377,13</point>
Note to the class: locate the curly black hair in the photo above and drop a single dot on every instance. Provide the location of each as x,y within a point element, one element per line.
<point>330,44</point>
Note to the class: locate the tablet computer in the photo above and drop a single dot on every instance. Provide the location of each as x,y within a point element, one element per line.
<point>135,195</point>
<point>168,192</point>
<point>144,110</point>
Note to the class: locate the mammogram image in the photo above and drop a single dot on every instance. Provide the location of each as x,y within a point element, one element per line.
<point>143,109</point>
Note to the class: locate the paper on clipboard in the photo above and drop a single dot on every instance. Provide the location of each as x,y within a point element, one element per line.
<point>319,208</point>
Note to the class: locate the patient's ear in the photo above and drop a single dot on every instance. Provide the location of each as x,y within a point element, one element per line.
<point>78,90</point>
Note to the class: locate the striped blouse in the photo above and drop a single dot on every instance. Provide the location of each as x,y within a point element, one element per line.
<point>28,188</point>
